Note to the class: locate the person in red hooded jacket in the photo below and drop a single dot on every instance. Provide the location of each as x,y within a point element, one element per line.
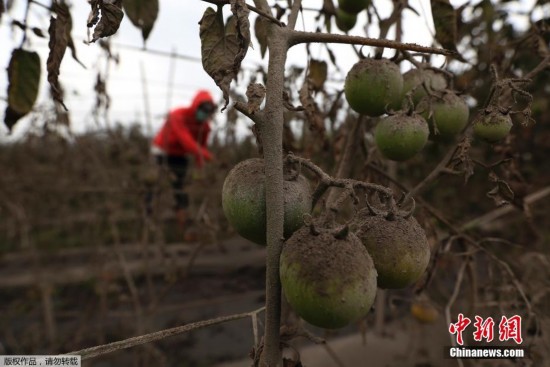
<point>184,134</point>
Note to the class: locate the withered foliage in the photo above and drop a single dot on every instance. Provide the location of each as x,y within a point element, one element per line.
<point>142,14</point>
<point>224,44</point>
<point>24,81</point>
<point>59,32</point>
<point>106,17</point>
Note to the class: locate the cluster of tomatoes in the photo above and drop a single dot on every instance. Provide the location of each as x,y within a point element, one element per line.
<point>329,272</point>
<point>418,104</point>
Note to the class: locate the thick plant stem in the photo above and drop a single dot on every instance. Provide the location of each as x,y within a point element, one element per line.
<point>272,131</point>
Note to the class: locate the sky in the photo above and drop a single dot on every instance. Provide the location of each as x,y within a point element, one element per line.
<point>176,30</point>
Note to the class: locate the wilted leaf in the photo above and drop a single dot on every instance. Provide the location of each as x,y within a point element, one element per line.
<point>444,18</point>
<point>18,24</point>
<point>68,29</point>
<point>332,57</point>
<point>38,32</point>
<point>261,27</point>
<point>11,117</point>
<point>142,14</point>
<point>221,48</point>
<point>280,11</point>
<point>103,100</point>
<point>240,12</point>
<point>313,115</point>
<point>58,32</point>
<point>106,46</point>
<point>24,79</point>
<point>107,24</point>
<point>462,161</point>
<point>255,93</point>
<point>502,193</point>
<point>445,24</point>
<point>317,74</point>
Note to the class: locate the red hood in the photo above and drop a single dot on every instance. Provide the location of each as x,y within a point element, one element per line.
<point>201,97</point>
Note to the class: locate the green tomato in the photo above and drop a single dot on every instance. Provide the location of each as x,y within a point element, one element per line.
<point>398,247</point>
<point>345,21</point>
<point>372,85</point>
<point>353,6</point>
<point>414,78</point>
<point>449,114</point>
<point>400,137</point>
<point>243,201</point>
<point>493,126</point>
<point>328,280</point>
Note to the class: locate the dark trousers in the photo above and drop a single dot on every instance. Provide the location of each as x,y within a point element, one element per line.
<point>177,166</point>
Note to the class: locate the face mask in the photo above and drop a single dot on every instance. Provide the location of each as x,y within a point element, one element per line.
<point>204,111</point>
<point>201,115</point>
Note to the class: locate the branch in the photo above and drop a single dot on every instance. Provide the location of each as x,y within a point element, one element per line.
<point>499,212</point>
<point>159,335</point>
<point>296,6</point>
<point>251,8</point>
<point>337,182</point>
<point>297,37</point>
<point>452,300</point>
<point>345,165</point>
<point>434,174</point>
<point>545,63</point>
<point>256,117</point>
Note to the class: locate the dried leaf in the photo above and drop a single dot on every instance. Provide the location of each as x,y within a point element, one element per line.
<point>332,57</point>
<point>68,29</point>
<point>221,48</point>
<point>24,80</point>
<point>11,117</point>
<point>19,25</point>
<point>313,115</point>
<point>37,32</point>
<point>280,11</point>
<point>444,18</point>
<point>106,46</point>
<point>93,17</point>
<point>445,24</point>
<point>103,100</point>
<point>58,32</point>
<point>142,14</point>
<point>317,74</point>
<point>111,16</point>
<point>502,193</point>
<point>255,94</point>
<point>261,27</point>
<point>241,12</point>
<point>461,160</point>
